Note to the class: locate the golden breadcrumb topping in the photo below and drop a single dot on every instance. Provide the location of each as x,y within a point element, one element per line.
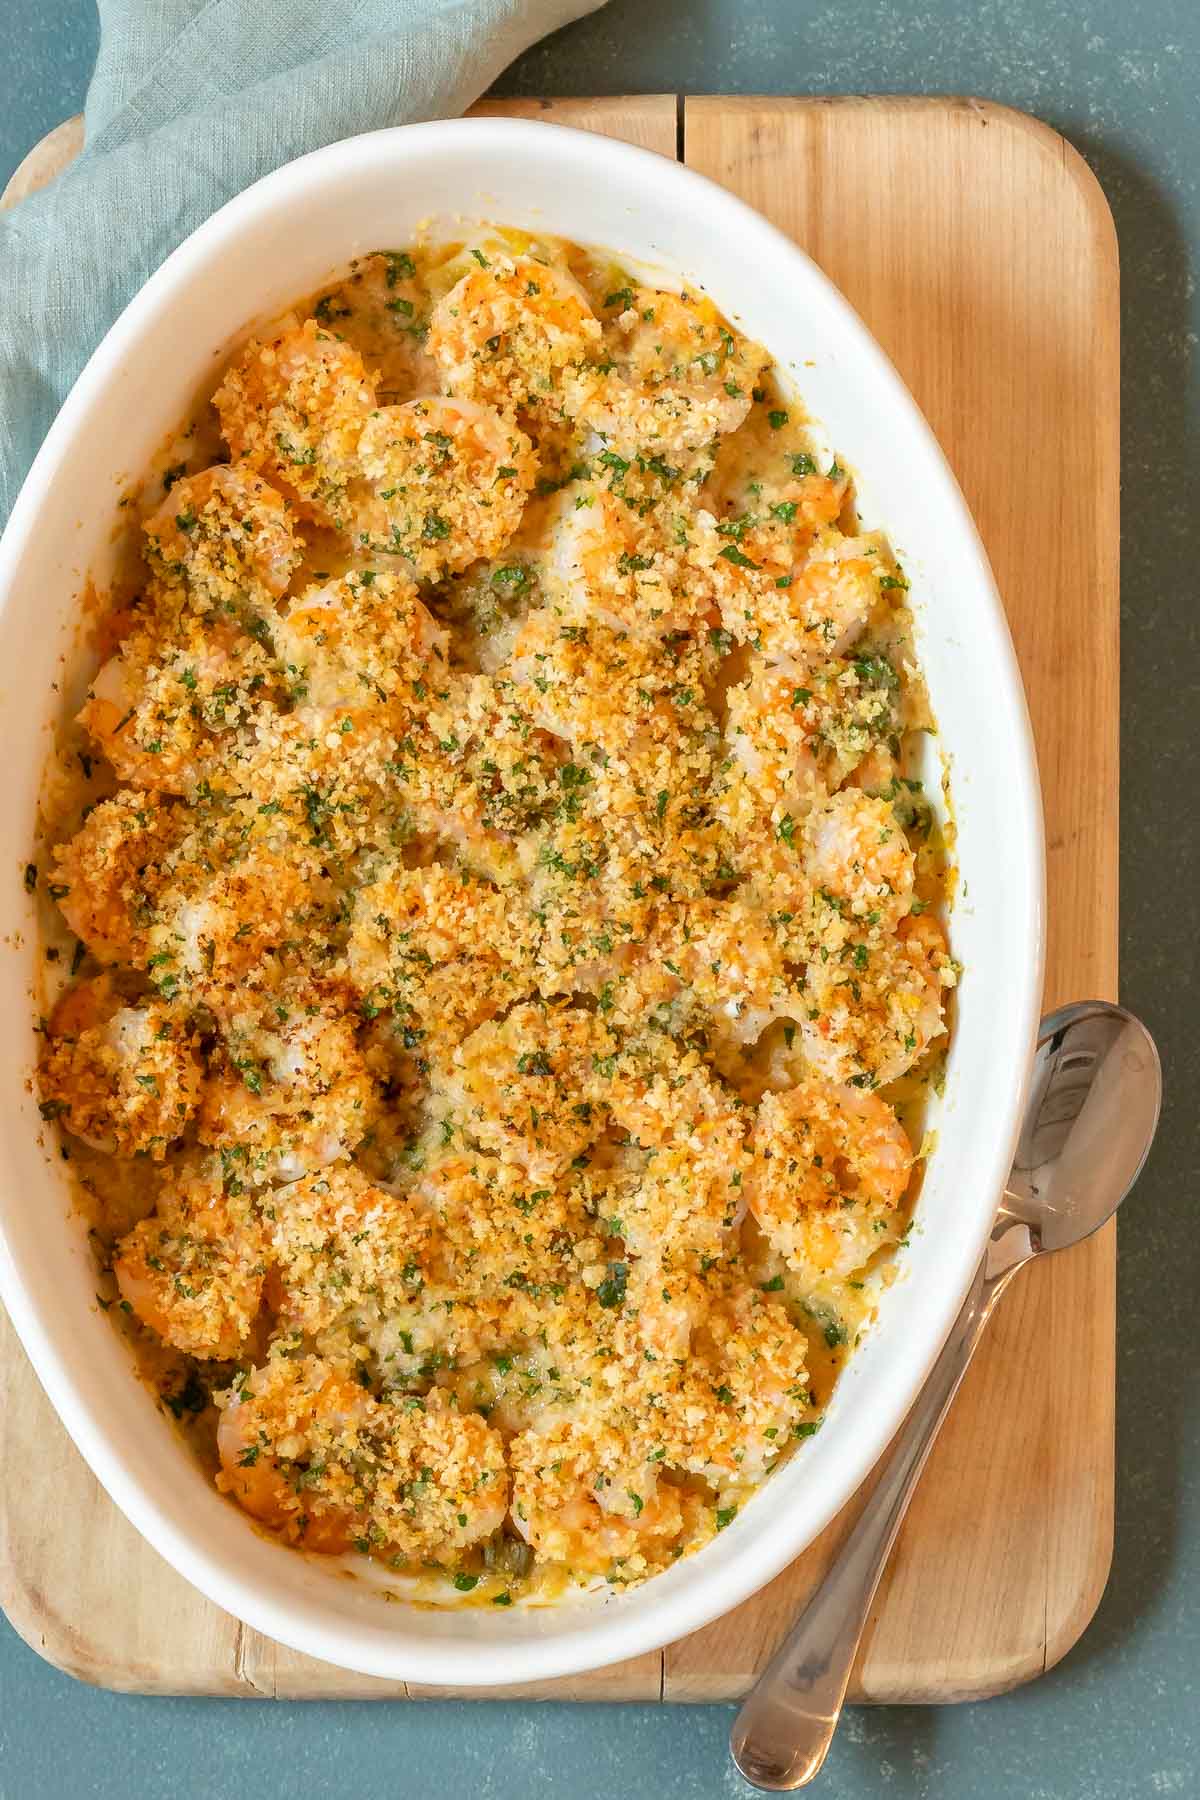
<point>512,333</point>
<point>509,957</point>
<point>312,1454</point>
<point>194,1271</point>
<point>294,409</point>
<point>450,482</point>
<point>342,1249</point>
<point>125,1079</point>
<point>227,538</point>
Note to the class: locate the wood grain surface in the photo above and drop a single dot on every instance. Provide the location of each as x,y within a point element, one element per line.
<point>979,249</point>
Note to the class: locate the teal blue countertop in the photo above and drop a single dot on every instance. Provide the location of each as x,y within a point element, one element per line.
<point>1119,1719</point>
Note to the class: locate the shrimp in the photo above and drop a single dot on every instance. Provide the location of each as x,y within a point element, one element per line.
<point>505,1236</point>
<point>500,856</point>
<point>194,1271</point>
<point>359,640</point>
<point>316,786</point>
<point>666,1316</point>
<point>450,478</point>
<point>522,1088</point>
<point>487,606</point>
<point>506,767</point>
<point>826,868</point>
<point>434,915</point>
<point>597,688</point>
<point>679,379</point>
<point>308,1452</point>
<point>877,772</point>
<point>829,604</point>
<point>768,856</point>
<point>659,1094</point>
<point>832,1164</point>
<point>227,536</point>
<point>294,409</point>
<point>157,715</point>
<point>106,878</point>
<point>779,736</point>
<point>727,954</point>
<point>585,890</point>
<point>222,925</point>
<point>124,1079</point>
<point>585,1495</point>
<point>341,1246</point>
<point>685,1199</point>
<point>795,735</point>
<point>749,551</point>
<point>606,564</point>
<point>290,1087</point>
<point>440,949</point>
<point>817,608</point>
<point>773,729</point>
<point>857,853</point>
<point>513,1389</point>
<point>112,706</point>
<point>512,334</point>
<point>739,1390</point>
<point>876,1008</point>
<point>291,1453</point>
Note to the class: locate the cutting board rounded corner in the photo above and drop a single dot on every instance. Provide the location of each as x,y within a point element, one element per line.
<point>1065,1631</point>
<point>1062,1633</point>
<point>48,158</point>
<point>34,1617</point>
<point>1073,165</point>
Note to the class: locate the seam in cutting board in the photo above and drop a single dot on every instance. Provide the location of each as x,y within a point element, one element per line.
<point>241,1671</point>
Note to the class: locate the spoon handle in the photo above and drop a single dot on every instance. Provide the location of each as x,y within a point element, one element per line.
<point>785,1727</point>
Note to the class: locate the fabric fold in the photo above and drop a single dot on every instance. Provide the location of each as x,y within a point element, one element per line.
<point>192,100</point>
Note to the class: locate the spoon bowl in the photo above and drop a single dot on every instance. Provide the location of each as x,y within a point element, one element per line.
<point>1092,1113</point>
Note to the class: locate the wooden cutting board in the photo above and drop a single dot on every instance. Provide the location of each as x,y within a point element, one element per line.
<point>981,252</point>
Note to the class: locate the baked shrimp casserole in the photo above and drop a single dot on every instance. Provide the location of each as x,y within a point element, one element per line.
<point>502,960</point>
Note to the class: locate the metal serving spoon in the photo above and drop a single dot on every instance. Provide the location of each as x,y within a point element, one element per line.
<point>1089,1123</point>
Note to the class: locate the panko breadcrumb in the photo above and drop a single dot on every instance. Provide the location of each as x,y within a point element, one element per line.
<point>450,479</point>
<point>194,1271</point>
<point>294,409</point>
<point>125,1079</point>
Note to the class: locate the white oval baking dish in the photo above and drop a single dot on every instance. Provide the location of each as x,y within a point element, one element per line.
<point>276,241</point>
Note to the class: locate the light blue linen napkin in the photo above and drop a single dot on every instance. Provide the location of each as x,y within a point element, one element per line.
<point>191,101</point>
